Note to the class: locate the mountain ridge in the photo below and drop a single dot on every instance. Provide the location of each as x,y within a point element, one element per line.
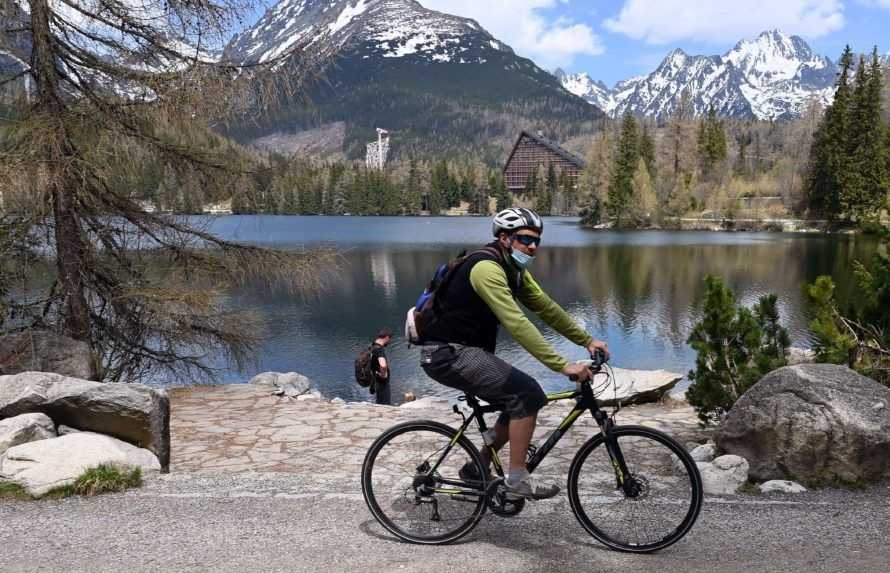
<point>772,77</point>
<point>441,84</point>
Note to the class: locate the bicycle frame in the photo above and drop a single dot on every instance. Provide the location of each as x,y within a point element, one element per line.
<point>586,401</point>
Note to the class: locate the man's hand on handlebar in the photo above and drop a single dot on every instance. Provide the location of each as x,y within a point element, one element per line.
<point>595,345</point>
<point>577,372</point>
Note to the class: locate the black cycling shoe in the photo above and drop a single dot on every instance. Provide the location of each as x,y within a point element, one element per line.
<point>470,473</point>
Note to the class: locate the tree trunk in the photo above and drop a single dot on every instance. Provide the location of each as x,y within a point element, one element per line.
<point>58,153</point>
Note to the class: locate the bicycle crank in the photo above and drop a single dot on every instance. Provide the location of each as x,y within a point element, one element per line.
<point>498,502</point>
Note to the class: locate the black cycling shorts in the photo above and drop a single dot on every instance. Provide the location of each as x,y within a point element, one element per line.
<point>475,371</point>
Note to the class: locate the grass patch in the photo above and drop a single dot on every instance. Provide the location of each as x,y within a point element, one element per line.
<point>101,479</point>
<point>12,491</point>
<point>749,488</point>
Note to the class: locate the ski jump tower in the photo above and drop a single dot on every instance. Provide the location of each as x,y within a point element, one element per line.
<point>377,150</point>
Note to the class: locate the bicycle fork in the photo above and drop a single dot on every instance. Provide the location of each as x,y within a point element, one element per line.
<point>622,475</point>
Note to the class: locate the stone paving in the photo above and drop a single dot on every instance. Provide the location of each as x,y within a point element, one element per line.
<point>242,428</point>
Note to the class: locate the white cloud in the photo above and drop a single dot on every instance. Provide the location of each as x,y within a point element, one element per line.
<point>664,21</point>
<point>521,24</point>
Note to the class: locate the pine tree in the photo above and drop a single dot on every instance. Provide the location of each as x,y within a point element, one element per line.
<point>741,165</point>
<point>593,182</point>
<point>389,195</point>
<point>355,202</point>
<point>734,346</point>
<point>679,136</point>
<point>167,189</point>
<point>141,312</point>
<point>531,184</point>
<point>568,194</point>
<point>547,192</point>
<point>623,168</point>
<point>868,180</point>
<point>647,150</point>
<point>330,201</point>
<point>711,142</point>
<point>502,194</point>
<point>411,201</point>
<point>829,164</point>
<point>644,202</point>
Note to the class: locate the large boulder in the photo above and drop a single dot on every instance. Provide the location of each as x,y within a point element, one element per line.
<point>130,412</point>
<point>289,384</point>
<point>43,351</point>
<point>815,423</point>
<point>40,467</point>
<point>637,386</point>
<point>25,428</point>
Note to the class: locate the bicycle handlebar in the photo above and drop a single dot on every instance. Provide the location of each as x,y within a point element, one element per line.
<point>595,364</point>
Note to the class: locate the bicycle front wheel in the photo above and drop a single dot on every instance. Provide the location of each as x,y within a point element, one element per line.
<point>411,484</point>
<point>654,509</point>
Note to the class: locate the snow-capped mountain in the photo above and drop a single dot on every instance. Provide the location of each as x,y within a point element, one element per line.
<point>389,28</point>
<point>582,85</point>
<point>772,77</point>
<point>439,83</point>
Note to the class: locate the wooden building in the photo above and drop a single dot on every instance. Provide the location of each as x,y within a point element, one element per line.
<point>532,152</point>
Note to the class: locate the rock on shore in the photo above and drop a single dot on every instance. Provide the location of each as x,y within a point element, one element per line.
<point>130,412</point>
<point>44,465</point>
<point>815,423</point>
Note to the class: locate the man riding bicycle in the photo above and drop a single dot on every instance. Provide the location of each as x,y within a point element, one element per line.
<point>460,343</point>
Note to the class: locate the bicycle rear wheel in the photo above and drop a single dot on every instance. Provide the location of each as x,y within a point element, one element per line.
<point>408,498</point>
<point>665,492</point>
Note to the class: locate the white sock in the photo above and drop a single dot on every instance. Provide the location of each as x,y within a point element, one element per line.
<point>516,475</point>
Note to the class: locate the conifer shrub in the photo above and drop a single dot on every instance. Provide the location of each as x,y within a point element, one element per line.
<point>735,347</point>
<point>858,333</point>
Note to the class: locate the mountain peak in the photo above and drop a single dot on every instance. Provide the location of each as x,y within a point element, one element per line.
<point>398,28</point>
<point>395,64</point>
<point>772,76</point>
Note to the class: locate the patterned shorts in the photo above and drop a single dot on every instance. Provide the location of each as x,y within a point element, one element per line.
<point>474,371</point>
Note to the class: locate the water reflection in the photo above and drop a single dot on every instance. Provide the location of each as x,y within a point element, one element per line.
<point>641,294</point>
<point>383,273</point>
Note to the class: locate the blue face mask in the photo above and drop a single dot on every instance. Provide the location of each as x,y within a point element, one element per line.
<point>521,259</point>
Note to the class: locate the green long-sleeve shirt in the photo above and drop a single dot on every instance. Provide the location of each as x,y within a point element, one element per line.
<point>490,283</point>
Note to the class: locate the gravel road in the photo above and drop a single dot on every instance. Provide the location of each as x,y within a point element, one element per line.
<point>278,522</point>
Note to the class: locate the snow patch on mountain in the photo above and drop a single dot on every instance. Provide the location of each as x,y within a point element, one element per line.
<point>347,15</point>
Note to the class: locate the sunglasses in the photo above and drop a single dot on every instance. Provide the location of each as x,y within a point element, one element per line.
<point>527,240</point>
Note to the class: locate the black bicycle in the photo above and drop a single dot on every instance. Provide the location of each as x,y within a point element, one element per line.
<point>633,488</point>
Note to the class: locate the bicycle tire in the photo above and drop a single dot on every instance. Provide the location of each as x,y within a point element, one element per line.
<point>649,455</point>
<point>401,486</point>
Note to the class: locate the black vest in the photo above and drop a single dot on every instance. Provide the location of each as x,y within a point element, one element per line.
<point>462,316</point>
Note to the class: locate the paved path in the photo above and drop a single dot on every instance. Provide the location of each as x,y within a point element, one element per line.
<point>242,428</point>
<point>262,484</point>
<point>244,522</point>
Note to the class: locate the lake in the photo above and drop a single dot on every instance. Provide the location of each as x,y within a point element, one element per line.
<point>640,291</point>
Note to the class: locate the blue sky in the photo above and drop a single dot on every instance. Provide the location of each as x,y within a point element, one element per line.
<point>616,39</point>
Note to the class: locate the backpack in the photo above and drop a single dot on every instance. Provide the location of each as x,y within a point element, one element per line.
<point>423,313</point>
<point>364,375</point>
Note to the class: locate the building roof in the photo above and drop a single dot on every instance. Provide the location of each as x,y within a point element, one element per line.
<point>549,144</point>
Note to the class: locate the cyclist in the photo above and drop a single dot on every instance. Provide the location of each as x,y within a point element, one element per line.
<point>460,343</point>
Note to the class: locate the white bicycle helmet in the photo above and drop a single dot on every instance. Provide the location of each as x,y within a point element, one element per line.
<point>516,218</point>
